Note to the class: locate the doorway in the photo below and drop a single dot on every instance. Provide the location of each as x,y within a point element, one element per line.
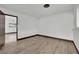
<point>11,30</point>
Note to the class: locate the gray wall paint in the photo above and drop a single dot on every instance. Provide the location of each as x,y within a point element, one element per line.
<point>59,25</point>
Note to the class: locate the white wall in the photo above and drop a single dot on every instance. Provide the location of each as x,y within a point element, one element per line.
<point>58,25</point>
<point>26,23</point>
<point>76,27</point>
<point>77,20</point>
<point>9,28</point>
<point>26,26</point>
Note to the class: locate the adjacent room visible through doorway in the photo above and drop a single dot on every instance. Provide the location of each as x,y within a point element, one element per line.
<point>10,30</point>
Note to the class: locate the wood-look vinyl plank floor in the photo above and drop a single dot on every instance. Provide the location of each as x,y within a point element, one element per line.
<point>40,45</point>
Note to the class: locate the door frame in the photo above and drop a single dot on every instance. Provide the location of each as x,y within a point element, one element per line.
<point>16,24</point>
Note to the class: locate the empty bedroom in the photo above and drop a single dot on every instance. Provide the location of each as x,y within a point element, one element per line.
<point>39,29</point>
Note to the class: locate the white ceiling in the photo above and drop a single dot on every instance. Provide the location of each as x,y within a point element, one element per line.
<point>37,10</point>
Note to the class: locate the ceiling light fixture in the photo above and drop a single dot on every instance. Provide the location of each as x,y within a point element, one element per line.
<point>46,5</point>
